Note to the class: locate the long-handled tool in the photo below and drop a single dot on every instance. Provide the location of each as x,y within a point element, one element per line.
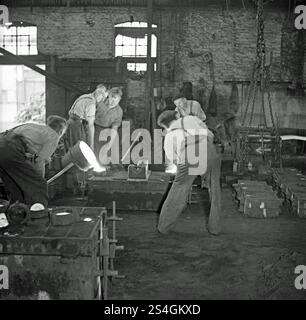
<point>131,146</point>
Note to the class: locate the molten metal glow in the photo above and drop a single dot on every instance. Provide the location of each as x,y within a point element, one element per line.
<point>63,213</point>
<point>37,207</point>
<point>88,153</point>
<point>90,157</point>
<point>97,168</point>
<point>172,169</point>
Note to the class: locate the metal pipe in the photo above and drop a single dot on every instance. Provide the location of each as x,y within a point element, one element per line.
<point>68,167</point>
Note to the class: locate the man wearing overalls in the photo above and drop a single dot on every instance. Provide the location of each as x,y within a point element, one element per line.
<point>108,116</point>
<point>188,145</point>
<point>24,151</point>
<point>186,107</point>
<point>82,116</point>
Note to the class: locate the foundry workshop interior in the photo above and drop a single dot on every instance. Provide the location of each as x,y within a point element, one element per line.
<point>152,149</point>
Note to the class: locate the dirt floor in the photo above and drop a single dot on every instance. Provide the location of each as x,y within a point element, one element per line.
<point>251,259</point>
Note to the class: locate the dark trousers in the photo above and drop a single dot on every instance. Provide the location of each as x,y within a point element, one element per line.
<point>76,132</point>
<point>97,143</point>
<point>22,182</point>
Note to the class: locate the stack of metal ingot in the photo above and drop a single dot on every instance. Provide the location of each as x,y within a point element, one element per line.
<point>257,199</point>
<point>290,184</point>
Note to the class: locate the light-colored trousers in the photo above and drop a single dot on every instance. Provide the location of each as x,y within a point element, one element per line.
<point>177,196</point>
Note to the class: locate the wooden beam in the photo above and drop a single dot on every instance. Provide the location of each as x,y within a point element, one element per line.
<point>50,76</point>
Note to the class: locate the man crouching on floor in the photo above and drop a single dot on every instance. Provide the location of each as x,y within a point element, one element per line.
<point>189,146</point>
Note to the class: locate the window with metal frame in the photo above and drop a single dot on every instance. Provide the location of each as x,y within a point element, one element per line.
<point>19,38</point>
<point>131,43</point>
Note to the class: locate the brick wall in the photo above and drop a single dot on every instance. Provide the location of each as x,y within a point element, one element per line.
<point>229,35</point>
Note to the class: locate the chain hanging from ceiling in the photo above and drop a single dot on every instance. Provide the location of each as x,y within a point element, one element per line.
<point>250,136</point>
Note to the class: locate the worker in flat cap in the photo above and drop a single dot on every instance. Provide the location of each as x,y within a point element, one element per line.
<point>189,148</point>
<point>24,151</point>
<point>82,117</point>
<point>108,116</point>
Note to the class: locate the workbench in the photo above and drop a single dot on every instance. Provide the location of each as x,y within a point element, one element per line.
<point>129,195</point>
<point>53,262</point>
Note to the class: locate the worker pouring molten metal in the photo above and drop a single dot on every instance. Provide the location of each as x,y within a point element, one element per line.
<point>189,146</point>
<point>24,151</point>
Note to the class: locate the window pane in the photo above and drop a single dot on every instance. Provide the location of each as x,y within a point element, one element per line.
<point>118,51</point>
<point>128,51</point>
<point>10,31</point>
<point>154,46</point>
<point>131,66</point>
<point>9,44</point>
<point>22,96</point>
<point>33,50</point>
<point>128,41</point>
<point>137,67</point>
<point>20,40</point>
<point>33,32</point>
<point>142,41</point>
<point>118,40</point>
<point>23,50</point>
<point>141,67</point>
<point>141,51</point>
<point>129,46</point>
